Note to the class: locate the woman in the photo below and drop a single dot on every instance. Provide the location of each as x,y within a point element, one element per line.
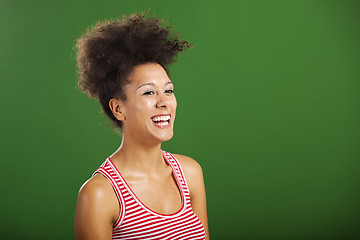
<point>140,191</point>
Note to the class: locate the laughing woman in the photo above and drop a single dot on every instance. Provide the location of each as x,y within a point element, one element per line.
<point>140,191</point>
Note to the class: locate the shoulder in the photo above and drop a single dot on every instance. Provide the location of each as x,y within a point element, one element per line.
<point>192,170</point>
<point>96,187</point>
<point>97,195</point>
<point>97,209</point>
<point>188,164</point>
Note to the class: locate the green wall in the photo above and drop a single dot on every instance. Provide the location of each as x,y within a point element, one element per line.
<point>268,103</point>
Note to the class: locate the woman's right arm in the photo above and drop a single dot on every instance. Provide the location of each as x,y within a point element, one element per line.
<point>97,210</point>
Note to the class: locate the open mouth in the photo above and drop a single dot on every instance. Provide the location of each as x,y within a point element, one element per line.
<point>161,120</point>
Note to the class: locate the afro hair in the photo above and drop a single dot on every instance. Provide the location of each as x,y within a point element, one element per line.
<point>108,52</point>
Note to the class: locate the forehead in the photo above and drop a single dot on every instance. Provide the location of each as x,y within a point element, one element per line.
<point>148,72</point>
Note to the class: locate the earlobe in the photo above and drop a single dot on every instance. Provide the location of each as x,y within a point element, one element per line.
<point>116,107</point>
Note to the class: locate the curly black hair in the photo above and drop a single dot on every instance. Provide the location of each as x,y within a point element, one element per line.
<point>108,52</point>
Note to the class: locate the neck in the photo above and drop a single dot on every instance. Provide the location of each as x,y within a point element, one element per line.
<point>138,157</point>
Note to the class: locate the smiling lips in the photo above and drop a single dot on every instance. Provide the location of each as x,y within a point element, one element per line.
<point>161,120</point>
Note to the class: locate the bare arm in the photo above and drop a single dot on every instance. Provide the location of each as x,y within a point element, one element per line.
<point>195,181</point>
<point>96,211</point>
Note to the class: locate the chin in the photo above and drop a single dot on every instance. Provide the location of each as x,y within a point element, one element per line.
<point>165,137</point>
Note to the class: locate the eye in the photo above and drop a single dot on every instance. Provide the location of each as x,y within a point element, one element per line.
<point>169,91</point>
<point>149,93</point>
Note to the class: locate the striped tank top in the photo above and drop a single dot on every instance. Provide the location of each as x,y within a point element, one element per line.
<point>136,221</point>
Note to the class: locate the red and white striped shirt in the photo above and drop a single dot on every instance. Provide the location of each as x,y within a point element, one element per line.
<point>136,221</point>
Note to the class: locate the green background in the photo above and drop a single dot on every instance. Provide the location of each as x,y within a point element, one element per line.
<point>268,104</point>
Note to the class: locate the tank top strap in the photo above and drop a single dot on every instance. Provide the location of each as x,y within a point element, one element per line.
<point>178,173</point>
<point>108,171</point>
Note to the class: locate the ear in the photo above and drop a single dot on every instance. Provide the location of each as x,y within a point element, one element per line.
<point>117,108</point>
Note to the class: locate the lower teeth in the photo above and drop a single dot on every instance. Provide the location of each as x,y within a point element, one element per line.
<point>162,123</point>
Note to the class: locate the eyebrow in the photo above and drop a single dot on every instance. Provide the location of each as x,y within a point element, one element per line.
<point>153,84</point>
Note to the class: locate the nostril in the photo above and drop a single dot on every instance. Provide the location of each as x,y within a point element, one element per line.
<point>162,105</point>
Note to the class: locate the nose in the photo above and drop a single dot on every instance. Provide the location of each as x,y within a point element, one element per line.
<point>163,101</point>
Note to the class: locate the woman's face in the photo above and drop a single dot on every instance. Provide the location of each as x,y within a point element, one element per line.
<point>150,106</point>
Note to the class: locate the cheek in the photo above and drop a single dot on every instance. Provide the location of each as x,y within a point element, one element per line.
<point>143,106</point>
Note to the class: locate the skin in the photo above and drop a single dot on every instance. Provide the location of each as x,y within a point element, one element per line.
<point>139,159</point>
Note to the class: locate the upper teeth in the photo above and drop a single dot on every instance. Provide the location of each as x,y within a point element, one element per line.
<point>161,118</point>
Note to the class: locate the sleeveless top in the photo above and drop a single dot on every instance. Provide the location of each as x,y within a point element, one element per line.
<point>136,221</point>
